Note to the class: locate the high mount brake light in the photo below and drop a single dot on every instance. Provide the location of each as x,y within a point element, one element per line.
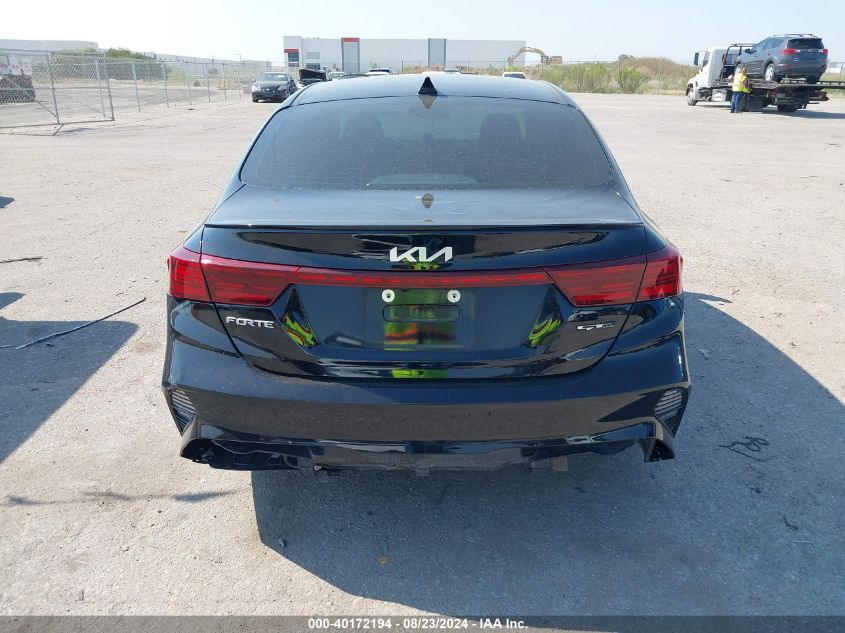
<point>612,282</point>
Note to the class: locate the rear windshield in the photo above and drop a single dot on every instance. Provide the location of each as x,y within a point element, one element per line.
<point>272,77</point>
<point>413,142</point>
<point>805,42</point>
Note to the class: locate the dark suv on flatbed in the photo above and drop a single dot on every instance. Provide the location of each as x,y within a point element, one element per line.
<point>786,56</point>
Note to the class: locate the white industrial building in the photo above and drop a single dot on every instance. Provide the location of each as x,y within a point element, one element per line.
<point>46,45</point>
<point>355,54</point>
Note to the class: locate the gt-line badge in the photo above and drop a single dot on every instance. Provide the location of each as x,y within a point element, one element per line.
<point>596,326</point>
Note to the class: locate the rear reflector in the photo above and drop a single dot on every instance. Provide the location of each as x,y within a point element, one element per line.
<point>600,283</point>
<point>662,276</point>
<point>669,409</point>
<point>183,409</point>
<point>245,283</point>
<point>186,280</point>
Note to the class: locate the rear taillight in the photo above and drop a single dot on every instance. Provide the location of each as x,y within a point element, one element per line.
<point>662,277</point>
<point>611,282</point>
<point>366,279</point>
<point>186,280</point>
<point>245,283</point>
<point>621,281</point>
<point>824,51</point>
<point>600,283</point>
<point>789,51</point>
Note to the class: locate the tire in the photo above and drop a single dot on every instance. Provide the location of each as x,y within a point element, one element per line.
<point>787,107</point>
<point>691,100</point>
<point>254,100</point>
<point>769,73</point>
<point>765,103</point>
<point>813,80</point>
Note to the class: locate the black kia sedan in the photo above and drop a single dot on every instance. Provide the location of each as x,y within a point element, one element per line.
<point>450,273</point>
<point>273,87</point>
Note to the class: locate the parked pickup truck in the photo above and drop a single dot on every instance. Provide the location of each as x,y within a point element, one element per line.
<point>713,83</point>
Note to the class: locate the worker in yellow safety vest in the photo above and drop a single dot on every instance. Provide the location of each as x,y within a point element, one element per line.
<point>741,89</point>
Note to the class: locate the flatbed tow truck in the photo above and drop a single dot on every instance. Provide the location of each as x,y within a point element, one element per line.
<point>714,79</point>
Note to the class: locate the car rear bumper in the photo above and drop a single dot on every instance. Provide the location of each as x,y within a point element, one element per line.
<point>241,418</point>
<point>801,68</point>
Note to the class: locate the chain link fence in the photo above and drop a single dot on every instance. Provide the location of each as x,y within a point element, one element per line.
<point>42,88</point>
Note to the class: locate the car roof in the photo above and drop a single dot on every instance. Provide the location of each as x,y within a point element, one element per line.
<point>444,83</point>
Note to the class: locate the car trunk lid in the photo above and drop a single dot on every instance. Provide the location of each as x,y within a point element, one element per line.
<point>398,286</point>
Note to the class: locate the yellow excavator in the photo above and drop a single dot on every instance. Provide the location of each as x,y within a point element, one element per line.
<point>544,59</point>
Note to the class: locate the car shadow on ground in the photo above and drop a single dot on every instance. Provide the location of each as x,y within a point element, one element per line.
<point>37,380</point>
<point>752,499</point>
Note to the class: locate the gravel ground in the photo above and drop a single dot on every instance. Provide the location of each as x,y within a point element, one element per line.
<point>98,514</point>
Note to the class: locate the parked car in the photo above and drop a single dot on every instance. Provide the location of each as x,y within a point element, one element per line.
<point>795,56</point>
<point>452,70</point>
<point>271,86</point>
<point>514,74</point>
<point>16,80</point>
<point>429,282</point>
<point>308,76</point>
<point>335,74</point>
<point>373,72</point>
<point>16,89</point>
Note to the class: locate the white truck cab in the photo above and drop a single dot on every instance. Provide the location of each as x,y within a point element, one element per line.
<point>716,66</point>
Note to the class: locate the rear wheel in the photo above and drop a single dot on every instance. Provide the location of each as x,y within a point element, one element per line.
<point>691,100</point>
<point>255,99</point>
<point>769,73</point>
<point>813,80</point>
<point>783,107</point>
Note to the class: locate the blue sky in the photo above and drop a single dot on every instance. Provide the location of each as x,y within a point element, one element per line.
<point>590,29</point>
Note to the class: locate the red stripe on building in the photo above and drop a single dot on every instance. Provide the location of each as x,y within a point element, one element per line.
<point>291,50</point>
<point>349,39</point>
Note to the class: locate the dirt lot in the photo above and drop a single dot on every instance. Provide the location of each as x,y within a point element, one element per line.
<point>98,514</point>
